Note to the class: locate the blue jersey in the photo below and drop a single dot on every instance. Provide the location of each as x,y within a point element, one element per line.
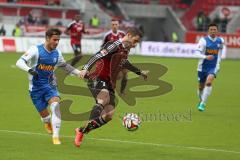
<point>209,46</point>
<point>44,62</point>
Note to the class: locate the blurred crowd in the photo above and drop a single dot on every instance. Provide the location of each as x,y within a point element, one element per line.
<point>202,21</point>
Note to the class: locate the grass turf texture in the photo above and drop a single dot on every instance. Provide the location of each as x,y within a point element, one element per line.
<point>213,134</point>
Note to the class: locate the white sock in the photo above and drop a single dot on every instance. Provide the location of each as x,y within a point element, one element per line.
<point>46,119</point>
<point>56,118</point>
<point>206,92</point>
<point>200,92</point>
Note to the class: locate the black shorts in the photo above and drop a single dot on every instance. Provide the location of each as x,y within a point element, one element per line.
<point>77,49</point>
<point>95,86</point>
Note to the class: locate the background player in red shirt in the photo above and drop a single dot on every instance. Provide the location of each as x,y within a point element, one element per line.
<point>75,29</point>
<point>111,36</point>
<point>102,80</point>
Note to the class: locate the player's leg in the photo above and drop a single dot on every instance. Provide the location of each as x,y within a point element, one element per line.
<point>124,81</point>
<point>77,54</point>
<point>200,90</point>
<point>95,119</point>
<point>51,96</point>
<point>41,106</point>
<point>202,76</point>
<point>208,88</point>
<point>103,96</point>
<point>56,118</point>
<point>46,119</point>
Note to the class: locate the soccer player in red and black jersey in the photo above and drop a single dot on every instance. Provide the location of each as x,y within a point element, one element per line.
<point>75,29</point>
<point>111,36</point>
<point>110,60</point>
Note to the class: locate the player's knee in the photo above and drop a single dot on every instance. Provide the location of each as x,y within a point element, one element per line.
<point>55,108</point>
<point>209,84</point>
<point>109,116</point>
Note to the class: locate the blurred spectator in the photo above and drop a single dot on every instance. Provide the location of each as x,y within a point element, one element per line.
<point>94,21</point>
<point>206,22</point>
<point>53,2</point>
<point>44,19</point>
<point>17,31</point>
<point>217,20</point>
<point>175,37</point>
<point>59,23</point>
<point>11,1</point>
<point>188,2</point>
<point>31,19</point>
<point>200,21</point>
<point>223,25</point>
<point>2,31</point>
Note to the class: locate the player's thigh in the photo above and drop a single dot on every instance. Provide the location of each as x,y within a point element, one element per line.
<point>202,77</point>
<point>38,100</point>
<point>52,95</point>
<point>103,97</point>
<point>100,91</point>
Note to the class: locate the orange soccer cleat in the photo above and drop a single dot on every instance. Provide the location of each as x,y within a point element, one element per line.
<point>78,137</point>
<point>48,127</point>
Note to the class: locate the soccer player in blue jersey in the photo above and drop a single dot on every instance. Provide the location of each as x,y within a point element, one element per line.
<point>39,61</point>
<point>209,49</point>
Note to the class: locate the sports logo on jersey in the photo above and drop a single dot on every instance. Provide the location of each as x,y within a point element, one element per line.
<point>212,51</point>
<point>45,67</point>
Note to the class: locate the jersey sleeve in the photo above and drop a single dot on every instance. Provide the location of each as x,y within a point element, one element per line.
<point>201,46</point>
<point>200,49</point>
<point>31,53</point>
<point>109,48</point>
<point>60,58</point>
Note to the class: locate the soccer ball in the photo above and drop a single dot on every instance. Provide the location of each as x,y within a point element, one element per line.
<point>131,121</point>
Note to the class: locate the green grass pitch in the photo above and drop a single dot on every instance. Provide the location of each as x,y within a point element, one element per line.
<point>213,134</point>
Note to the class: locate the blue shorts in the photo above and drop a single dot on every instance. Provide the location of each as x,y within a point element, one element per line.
<point>202,76</point>
<point>41,97</point>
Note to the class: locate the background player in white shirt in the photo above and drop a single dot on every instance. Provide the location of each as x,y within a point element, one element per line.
<point>209,49</point>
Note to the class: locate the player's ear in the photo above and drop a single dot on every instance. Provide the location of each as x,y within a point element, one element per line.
<point>47,38</point>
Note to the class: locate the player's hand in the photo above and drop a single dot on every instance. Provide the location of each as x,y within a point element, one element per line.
<point>144,74</point>
<point>210,57</point>
<point>83,73</point>
<point>33,73</point>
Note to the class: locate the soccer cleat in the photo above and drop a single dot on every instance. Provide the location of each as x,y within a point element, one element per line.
<point>201,107</point>
<point>48,127</point>
<point>78,137</point>
<point>56,141</point>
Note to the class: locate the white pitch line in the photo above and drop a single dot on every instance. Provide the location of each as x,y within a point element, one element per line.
<point>131,142</point>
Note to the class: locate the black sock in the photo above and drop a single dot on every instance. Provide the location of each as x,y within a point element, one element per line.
<point>123,84</point>
<point>75,60</point>
<point>93,124</point>
<point>96,111</point>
